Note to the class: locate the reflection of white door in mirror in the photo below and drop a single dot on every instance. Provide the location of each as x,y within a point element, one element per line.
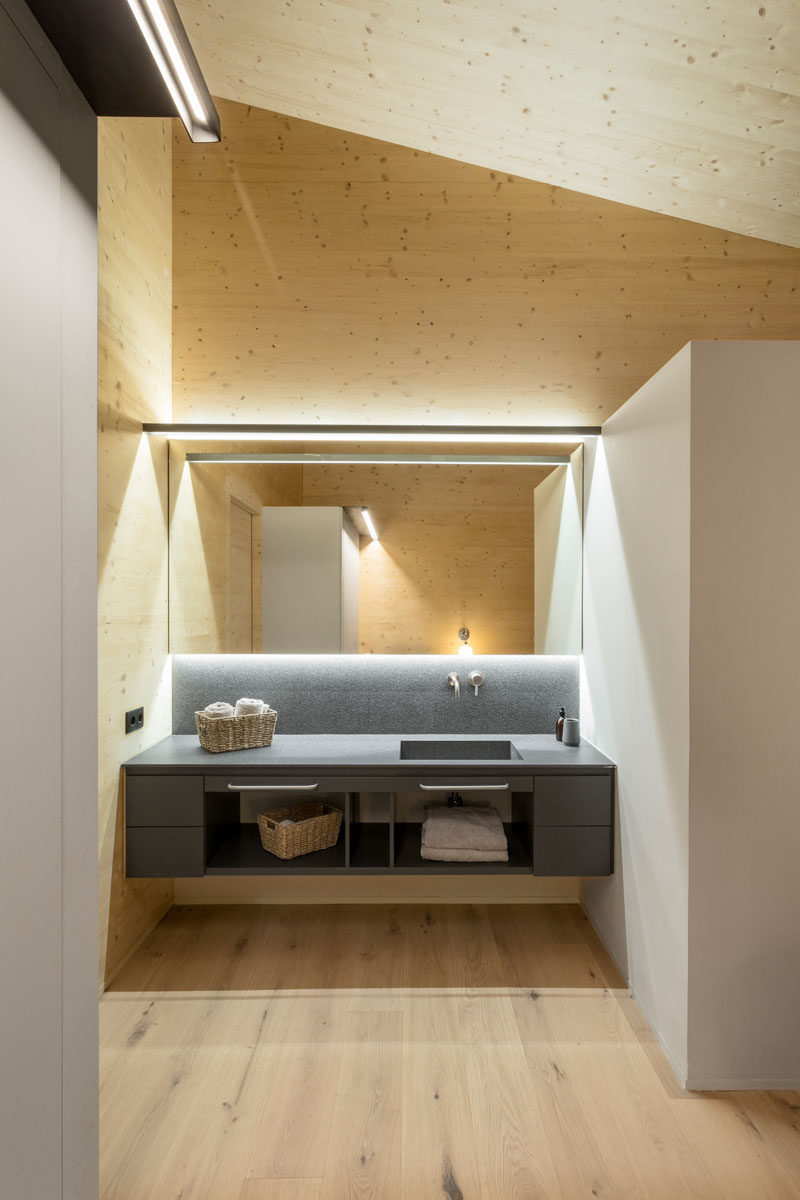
<point>239,639</point>
<point>309,587</point>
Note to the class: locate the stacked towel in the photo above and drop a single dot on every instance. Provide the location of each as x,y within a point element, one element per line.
<point>244,708</point>
<point>473,834</point>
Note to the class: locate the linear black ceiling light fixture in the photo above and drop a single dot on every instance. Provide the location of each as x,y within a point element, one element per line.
<point>131,58</point>
<point>169,45</point>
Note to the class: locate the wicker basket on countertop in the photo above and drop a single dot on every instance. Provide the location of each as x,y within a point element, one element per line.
<point>219,734</point>
<point>315,827</point>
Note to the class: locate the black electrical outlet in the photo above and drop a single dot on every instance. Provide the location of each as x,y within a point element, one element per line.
<point>134,720</point>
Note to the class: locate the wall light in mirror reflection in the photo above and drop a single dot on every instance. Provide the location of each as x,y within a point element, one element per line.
<point>370,524</point>
<point>465,647</point>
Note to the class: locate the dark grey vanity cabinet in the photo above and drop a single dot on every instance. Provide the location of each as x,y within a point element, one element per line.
<point>189,813</point>
<point>573,824</point>
<point>165,826</point>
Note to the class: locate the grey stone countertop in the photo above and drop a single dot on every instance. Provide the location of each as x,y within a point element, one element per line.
<point>377,753</point>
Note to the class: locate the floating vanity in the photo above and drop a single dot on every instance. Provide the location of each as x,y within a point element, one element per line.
<point>190,813</point>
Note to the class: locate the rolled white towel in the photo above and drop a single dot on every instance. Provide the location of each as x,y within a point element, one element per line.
<point>246,707</point>
<point>220,708</point>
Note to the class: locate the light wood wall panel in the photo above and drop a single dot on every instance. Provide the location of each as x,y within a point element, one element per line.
<point>328,276</point>
<point>201,585</point>
<point>135,295</point>
<point>455,549</point>
<point>685,108</point>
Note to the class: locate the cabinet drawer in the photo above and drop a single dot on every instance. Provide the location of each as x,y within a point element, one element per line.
<point>164,800</point>
<point>573,800</point>
<point>572,850</point>
<point>163,852</point>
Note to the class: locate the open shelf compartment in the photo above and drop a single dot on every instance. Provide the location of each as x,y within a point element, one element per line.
<point>241,853</point>
<point>408,860</point>
<point>233,841</point>
<point>370,828</point>
<point>372,841</point>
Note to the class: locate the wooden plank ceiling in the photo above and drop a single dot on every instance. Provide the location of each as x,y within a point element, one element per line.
<point>685,108</point>
<point>322,276</point>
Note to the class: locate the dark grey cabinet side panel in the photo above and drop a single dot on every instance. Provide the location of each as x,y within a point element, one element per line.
<point>163,852</point>
<point>164,800</point>
<point>572,850</point>
<point>573,800</point>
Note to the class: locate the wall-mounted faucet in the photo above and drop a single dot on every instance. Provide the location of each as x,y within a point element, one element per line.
<point>475,680</point>
<point>452,679</point>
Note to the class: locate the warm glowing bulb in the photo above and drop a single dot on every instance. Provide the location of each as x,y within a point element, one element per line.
<point>466,649</point>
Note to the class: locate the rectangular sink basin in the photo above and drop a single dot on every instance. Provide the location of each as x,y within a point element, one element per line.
<point>458,748</point>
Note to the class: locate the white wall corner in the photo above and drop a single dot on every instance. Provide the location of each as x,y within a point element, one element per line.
<point>635,687</point>
<point>744,887</point>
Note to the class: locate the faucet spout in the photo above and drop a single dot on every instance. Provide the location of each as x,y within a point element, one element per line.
<point>452,679</point>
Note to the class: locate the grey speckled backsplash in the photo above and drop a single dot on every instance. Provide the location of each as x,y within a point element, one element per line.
<point>376,693</point>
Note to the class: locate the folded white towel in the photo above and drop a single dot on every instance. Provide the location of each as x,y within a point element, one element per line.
<point>246,707</point>
<point>219,709</point>
<point>474,827</point>
<point>476,856</point>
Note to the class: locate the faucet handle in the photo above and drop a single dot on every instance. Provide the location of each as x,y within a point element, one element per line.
<point>475,679</point>
<point>453,681</point>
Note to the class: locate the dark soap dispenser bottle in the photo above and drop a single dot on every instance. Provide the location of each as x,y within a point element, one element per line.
<point>562,712</point>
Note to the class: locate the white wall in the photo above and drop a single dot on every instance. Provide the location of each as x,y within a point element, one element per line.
<point>48,497</point>
<point>744,857</point>
<point>692,684</point>
<point>635,687</point>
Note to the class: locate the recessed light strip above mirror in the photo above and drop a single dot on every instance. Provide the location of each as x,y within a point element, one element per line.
<point>466,460</point>
<point>480,434</point>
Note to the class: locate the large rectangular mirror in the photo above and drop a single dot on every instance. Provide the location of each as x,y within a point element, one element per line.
<point>271,557</point>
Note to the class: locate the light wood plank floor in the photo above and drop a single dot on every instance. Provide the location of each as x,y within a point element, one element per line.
<point>470,1053</point>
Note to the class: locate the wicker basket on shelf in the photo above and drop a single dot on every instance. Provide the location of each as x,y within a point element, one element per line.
<point>219,734</point>
<point>315,827</point>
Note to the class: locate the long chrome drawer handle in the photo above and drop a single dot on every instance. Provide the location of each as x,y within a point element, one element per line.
<point>272,787</point>
<point>464,787</point>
